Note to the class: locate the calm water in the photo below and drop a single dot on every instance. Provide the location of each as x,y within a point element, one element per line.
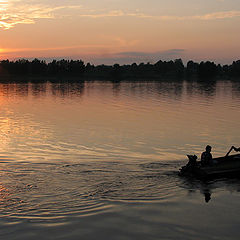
<point>100,160</point>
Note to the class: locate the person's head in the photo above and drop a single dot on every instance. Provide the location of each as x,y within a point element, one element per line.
<point>208,148</point>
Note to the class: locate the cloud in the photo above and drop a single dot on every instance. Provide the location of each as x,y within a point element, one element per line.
<point>170,52</point>
<point>13,12</point>
<point>138,57</point>
<point>96,58</point>
<point>210,16</point>
<point>219,15</point>
<point>60,49</point>
<point>121,13</point>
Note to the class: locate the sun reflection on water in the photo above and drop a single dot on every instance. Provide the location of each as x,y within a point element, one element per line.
<point>4,193</point>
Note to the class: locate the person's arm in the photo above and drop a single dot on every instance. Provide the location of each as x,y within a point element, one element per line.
<point>236,149</point>
<point>232,147</point>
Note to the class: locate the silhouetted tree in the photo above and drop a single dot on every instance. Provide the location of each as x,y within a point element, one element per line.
<point>192,69</point>
<point>235,69</point>
<point>207,69</point>
<point>157,71</point>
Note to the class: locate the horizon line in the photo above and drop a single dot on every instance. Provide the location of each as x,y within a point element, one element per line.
<point>49,60</point>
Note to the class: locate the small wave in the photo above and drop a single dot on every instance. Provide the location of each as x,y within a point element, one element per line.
<point>52,191</point>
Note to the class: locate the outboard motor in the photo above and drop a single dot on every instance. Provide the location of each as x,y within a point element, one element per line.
<point>192,160</point>
<point>192,163</point>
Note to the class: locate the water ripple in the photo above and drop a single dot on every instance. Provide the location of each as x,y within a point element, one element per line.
<point>54,191</point>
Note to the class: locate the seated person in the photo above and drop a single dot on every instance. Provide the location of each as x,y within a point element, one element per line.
<point>206,157</point>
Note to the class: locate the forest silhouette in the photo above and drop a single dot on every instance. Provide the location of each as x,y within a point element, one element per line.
<point>78,69</point>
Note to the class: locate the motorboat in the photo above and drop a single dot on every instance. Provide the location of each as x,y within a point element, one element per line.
<point>228,165</point>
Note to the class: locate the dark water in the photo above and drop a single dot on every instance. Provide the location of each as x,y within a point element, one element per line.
<point>100,160</point>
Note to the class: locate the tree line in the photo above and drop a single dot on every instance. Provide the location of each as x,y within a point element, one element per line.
<point>158,70</point>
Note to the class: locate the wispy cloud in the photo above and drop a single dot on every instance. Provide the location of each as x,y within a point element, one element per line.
<point>121,13</point>
<point>96,58</point>
<point>13,12</point>
<point>138,57</point>
<point>169,52</point>
<point>28,51</point>
<point>219,15</point>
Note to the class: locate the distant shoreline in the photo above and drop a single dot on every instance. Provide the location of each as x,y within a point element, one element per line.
<point>76,70</point>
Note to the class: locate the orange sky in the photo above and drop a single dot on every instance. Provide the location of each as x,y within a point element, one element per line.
<point>111,31</point>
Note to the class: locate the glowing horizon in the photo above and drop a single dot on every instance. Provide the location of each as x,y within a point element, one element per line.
<point>119,31</point>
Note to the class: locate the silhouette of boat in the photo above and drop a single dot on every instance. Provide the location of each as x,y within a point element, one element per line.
<point>227,166</point>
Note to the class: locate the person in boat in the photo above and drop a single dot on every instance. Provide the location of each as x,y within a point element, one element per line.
<point>233,148</point>
<point>206,157</point>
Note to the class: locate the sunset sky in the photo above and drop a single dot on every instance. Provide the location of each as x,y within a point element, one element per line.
<point>123,31</point>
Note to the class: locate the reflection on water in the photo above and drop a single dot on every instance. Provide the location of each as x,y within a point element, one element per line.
<point>207,89</point>
<point>137,119</point>
<point>101,159</point>
<point>98,195</point>
<point>170,89</point>
<point>210,188</point>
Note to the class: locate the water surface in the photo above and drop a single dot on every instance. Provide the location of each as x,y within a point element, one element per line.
<point>99,160</point>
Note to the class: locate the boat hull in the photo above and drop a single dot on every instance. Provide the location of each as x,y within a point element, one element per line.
<point>222,166</point>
